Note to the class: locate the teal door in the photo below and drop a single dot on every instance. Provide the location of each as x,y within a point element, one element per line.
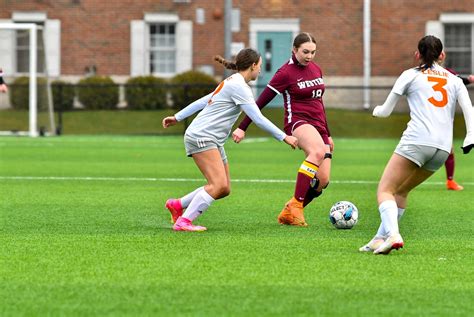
<point>275,48</point>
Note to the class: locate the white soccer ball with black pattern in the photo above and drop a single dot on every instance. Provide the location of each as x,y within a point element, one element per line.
<point>343,215</point>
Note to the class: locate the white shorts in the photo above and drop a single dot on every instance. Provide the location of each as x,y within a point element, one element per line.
<point>427,157</point>
<point>194,146</point>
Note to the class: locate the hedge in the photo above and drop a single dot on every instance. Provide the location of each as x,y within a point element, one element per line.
<point>98,92</point>
<point>146,93</point>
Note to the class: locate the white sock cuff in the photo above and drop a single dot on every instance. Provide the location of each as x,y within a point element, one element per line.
<point>186,199</point>
<point>206,197</point>
<point>387,205</point>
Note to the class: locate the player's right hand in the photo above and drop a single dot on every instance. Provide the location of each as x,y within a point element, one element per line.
<point>169,121</point>
<point>291,141</point>
<point>238,135</point>
<point>376,111</point>
<point>471,78</point>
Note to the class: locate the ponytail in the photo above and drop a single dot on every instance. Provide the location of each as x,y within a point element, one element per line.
<point>227,64</point>
<point>246,58</point>
<point>430,48</point>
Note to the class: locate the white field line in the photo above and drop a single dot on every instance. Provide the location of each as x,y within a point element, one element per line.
<point>171,180</point>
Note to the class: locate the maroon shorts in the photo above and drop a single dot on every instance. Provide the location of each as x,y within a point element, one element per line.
<point>290,127</point>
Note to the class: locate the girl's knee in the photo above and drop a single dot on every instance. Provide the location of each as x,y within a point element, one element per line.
<point>226,191</point>
<point>317,156</point>
<point>223,191</point>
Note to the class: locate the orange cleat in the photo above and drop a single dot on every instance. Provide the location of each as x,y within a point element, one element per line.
<point>452,185</point>
<point>292,214</point>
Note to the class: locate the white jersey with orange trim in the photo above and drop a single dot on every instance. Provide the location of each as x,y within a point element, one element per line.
<point>432,95</point>
<point>222,108</point>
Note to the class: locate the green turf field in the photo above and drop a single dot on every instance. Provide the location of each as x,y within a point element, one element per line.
<point>84,233</point>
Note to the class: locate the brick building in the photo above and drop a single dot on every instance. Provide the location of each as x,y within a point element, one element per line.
<point>124,38</point>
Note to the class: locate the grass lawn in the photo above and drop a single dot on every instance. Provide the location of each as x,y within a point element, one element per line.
<point>342,123</point>
<point>84,232</point>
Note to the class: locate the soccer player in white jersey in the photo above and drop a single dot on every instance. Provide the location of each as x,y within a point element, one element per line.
<point>3,86</point>
<point>432,93</point>
<point>205,137</point>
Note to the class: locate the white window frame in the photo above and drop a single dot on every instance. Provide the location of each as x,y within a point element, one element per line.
<point>436,27</point>
<point>140,44</point>
<point>51,34</point>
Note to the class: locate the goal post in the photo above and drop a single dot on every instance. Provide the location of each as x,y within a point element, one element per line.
<point>32,29</point>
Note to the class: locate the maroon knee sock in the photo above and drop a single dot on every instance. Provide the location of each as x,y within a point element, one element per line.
<point>303,179</point>
<point>449,164</point>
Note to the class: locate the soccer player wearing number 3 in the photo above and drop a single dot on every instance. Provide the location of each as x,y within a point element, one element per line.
<point>432,93</point>
<point>205,137</point>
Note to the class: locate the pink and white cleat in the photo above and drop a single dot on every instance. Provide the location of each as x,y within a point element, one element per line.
<point>184,224</point>
<point>175,208</point>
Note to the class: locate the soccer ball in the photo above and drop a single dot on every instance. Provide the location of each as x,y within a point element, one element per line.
<point>343,215</point>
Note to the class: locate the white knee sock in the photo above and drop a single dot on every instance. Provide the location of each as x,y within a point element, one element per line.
<point>199,204</point>
<point>186,199</point>
<point>389,213</point>
<point>381,233</point>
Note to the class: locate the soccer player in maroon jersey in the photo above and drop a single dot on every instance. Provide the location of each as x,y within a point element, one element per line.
<point>451,184</point>
<point>300,81</point>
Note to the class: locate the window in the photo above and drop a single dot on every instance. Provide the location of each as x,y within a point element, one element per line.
<point>23,50</point>
<point>458,44</point>
<point>15,45</point>
<point>162,48</point>
<point>161,45</point>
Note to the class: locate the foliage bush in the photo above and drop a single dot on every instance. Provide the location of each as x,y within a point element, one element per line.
<point>98,92</point>
<point>20,93</point>
<point>63,95</point>
<point>146,93</point>
<point>189,86</point>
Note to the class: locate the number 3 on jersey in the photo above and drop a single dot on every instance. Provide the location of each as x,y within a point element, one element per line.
<point>439,87</point>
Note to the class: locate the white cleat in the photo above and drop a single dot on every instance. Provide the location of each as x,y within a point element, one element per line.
<point>372,245</point>
<point>395,241</point>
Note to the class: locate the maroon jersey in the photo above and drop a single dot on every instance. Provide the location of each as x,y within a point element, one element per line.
<point>465,80</point>
<point>302,88</point>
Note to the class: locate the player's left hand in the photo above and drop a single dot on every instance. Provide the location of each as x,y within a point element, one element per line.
<point>331,144</point>
<point>291,141</point>
<point>238,135</point>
